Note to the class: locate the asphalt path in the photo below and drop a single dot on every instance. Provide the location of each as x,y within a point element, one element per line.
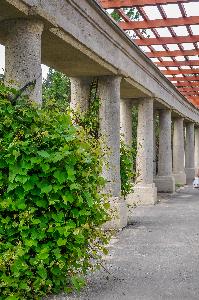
<point>155,257</point>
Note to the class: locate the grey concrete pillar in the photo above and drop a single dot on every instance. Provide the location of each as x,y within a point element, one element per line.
<point>23,56</point>
<point>178,152</point>
<point>165,181</point>
<point>145,191</point>
<point>126,121</point>
<point>197,150</point>
<point>154,145</point>
<point>109,94</point>
<point>80,93</point>
<point>189,152</point>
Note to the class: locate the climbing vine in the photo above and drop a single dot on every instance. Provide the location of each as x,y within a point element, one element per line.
<point>90,122</point>
<point>127,168</point>
<point>51,208</point>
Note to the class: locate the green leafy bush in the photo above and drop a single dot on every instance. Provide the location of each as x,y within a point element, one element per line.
<point>51,208</point>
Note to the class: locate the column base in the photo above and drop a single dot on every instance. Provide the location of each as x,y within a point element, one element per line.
<point>196,171</point>
<point>190,174</point>
<point>165,184</point>
<point>142,195</point>
<point>180,178</point>
<point>118,209</point>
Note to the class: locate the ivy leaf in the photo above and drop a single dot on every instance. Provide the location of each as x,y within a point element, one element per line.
<point>89,199</point>
<point>60,176</point>
<point>43,154</point>
<point>71,174</point>
<point>42,203</point>
<point>42,272</point>
<point>61,242</point>
<point>46,188</point>
<point>78,282</point>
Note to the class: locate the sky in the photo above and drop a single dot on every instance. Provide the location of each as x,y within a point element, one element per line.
<point>172,11</point>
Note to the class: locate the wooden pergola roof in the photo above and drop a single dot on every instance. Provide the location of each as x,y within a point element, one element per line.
<point>171,40</point>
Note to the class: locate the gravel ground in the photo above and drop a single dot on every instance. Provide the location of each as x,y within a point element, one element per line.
<point>155,257</point>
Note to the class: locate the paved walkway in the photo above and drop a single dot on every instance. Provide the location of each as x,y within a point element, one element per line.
<point>156,257</point>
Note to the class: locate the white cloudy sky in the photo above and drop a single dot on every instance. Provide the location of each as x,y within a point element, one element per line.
<point>172,11</point>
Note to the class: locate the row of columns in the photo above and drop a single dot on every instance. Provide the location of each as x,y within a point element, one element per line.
<point>174,167</point>
<point>23,65</point>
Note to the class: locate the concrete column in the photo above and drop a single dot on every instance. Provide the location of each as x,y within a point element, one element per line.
<point>23,56</point>
<point>165,181</point>
<point>145,191</point>
<point>189,152</point>
<point>80,93</point>
<point>109,94</point>
<point>197,149</point>
<point>154,144</point>
<point>126,121</point>
<point>178,152</point>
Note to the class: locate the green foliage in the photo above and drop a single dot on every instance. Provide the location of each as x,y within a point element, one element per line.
<point>127,168</point>
<point>56,87</point>
<point>134,128</point>
<point>89,120</point>
<point>132,13</point>
<point>51,208</point>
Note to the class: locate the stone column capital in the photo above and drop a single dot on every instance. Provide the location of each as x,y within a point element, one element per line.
<point>13,26</point>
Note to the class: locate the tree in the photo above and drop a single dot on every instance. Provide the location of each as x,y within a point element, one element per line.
<point>56,87</point>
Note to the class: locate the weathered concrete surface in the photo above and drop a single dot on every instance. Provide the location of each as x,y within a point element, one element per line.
<point>23,56</point>
<point>196,150</point>
<point>145,191</point>
<point>154,258</point>
<point>189,152</point>
<point>75,40</point>
<point>126,121</point>
<point>80,93</point>
<point>109,123</point>
<point>178,151</point>
<point>165,181</point>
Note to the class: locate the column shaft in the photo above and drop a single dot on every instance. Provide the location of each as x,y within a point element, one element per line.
<point>145,142</point>
<point>80,93</point>
<point>197,149</point>
<point>145,191</point>
<point>165,180</point>
<point>126,121</point>
<point>189,152</point>
<point>154,145</point>
<point>178,152</point>
<point>109,94</point>
<point>23,56</point>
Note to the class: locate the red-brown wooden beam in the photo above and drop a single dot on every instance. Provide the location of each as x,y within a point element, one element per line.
<point>186,84</point>
<point>182,78</point>
<point>178,72</point>
<point>159,23</point>
<point>172,53</point>
<point>130,3</point>
<point>167,40</point>
<point>177,63</point>
<point>190,94</point>
<point>194,97</point>
<point>194,100</point>
<point>184,89</point>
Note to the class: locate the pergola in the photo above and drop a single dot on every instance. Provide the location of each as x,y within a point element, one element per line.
<point>168,33</point>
